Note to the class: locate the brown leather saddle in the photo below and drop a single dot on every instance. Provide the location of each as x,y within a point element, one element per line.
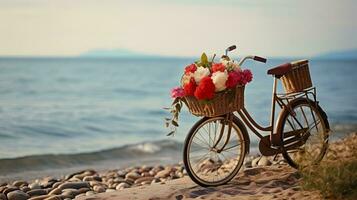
<point>281,70</point>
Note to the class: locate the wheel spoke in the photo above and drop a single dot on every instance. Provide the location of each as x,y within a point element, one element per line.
<point>205,164</point>
<point>310,144</point>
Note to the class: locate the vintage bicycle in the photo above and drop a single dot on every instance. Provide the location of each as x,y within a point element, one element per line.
<point>215,147</point>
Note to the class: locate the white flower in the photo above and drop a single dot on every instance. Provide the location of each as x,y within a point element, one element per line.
<point>236,67</point>
<point>200,73</point>
<point>186,78</point>
<point>225,61</point>
<point>219,79</point>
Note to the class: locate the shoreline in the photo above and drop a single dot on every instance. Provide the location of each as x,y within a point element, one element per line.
<point>260,177</point>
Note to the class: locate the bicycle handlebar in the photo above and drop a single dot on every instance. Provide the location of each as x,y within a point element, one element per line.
<point>256,58</point>
<point>260,59</point>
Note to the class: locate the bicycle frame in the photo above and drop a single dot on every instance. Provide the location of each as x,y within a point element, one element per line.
<point>276,99</point>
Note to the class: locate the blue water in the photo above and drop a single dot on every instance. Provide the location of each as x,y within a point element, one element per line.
<point>74,105</point>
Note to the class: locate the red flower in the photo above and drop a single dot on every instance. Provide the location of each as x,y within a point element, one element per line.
<point>234,78</point>
<point>205,89</point>
<point>190,68</point>
<point>218,67</point>
<point>190,87</point>
<point>247,76</point>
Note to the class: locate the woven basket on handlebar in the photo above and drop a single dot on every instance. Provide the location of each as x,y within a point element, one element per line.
<point>298,78</point>
<point>223,103</point>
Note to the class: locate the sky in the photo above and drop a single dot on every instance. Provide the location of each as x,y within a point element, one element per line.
<point>177,27</point>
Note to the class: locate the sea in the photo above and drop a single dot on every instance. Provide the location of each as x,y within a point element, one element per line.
<point>58,115</point>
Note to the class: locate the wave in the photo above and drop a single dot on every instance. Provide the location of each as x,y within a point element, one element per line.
<point>56,161</point>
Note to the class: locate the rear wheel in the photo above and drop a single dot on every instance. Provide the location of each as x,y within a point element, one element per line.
<point>304,133</point>
<point>205,159</point>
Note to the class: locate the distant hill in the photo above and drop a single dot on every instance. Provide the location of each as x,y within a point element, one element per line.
<point>114,53</point>
<point>339,55</point>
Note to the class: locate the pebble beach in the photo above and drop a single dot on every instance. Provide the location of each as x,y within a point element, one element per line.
<point>260,178</point>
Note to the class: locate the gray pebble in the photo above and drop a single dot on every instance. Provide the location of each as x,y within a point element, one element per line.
<point>17,195</point>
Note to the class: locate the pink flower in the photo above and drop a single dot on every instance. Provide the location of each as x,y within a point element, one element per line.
<point>177,92</point>
<point>190,69</point>
<point>247,76</point>
<point>218,67</point>
<point>234,78</point>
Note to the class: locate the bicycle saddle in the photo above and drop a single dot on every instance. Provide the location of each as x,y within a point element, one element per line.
<point>280,70</point>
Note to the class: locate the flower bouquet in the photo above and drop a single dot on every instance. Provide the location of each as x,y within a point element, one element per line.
<point>209,89</point>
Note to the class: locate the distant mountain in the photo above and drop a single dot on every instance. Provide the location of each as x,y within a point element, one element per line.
<point>339,55</point>
<point>114,53</point>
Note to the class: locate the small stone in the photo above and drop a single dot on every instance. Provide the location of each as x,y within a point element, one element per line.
<point>110,190</point>
<point>129,181</point>
<point>92,178</point>
<point>99,188</point>
<point>83,190</point>
<point>19,183</point>
<point>156,180</point>
<point>144,179</point>
<point>121,173</point>
<point>179,174</point>
<point>255,161</point>
<point>56,197</point>
<point>264,161</point>
<point>55,191</point>
<point>37,192</point>
<point>93,183</point>
<point>122,186</point>
<point>74,185</point>
<point>9,189</point>
<point>2,188</point>
<point>163,173</point>
<point>145,183</point>
<point>55,185</point>
<point>35,185</point>
<point>3,196</point>
<point>89,193</point>
<point>145,174</point>
<point>17,195</point>
<point>248,164</point>
<point>184,172</point>
<point>41,197</point>
<point>70,190</point>
<point>118,180</point>
<point>132,175</point>
<point>25,189</point>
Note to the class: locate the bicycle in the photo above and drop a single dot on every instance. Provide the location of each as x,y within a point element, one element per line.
<point>215,147</point>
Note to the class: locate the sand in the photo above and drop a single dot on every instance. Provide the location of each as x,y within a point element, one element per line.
<point>269,182</point>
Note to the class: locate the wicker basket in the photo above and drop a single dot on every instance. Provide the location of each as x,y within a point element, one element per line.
<point>298,78</point>
<point>223,103</point>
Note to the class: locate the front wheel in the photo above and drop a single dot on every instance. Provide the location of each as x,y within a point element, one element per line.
<point>211,155</point>
<point>304,133</point>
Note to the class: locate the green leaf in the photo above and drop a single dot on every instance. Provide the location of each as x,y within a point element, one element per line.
<point>175,123</point>
<point>204,59</point>
<point>171,133</point>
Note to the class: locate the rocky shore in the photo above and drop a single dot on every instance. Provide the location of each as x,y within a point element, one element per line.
<point>88,183</point>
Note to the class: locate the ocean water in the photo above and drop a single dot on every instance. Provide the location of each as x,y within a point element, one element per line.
<point>85,106</point>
